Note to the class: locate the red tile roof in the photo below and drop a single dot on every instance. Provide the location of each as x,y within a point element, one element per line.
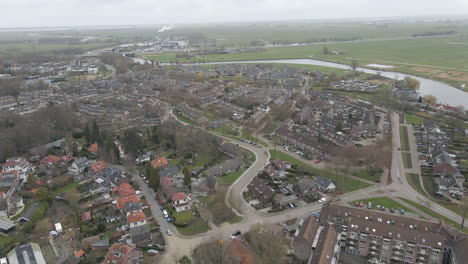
<point>98,166</point>
<point>239,250</point>
<point>86,216</point>
<point>159,162</point>
<point>126,199</point>
<point>52,160</point>
<point>178,196</point>
<point>136,217</point>
<point>119,254</point>
<point>79,253</point>
<point>67,158</point>
<point>93,148</point>
<point>166,181</point>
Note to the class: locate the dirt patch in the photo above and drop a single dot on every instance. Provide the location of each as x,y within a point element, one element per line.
<point>460,78</point>
<point>430,70</point>
<point>443,75</point>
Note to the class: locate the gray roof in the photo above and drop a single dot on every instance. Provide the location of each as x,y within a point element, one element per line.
<point>29,213</point>
<point>323,182</point>
<point>26,254</point>
<point>100,243</point>
<point>169,172</point>
<point>6,225</point>
<point>81,161</point>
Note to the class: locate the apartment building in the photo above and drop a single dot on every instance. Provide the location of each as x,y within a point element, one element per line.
<point>376,236</point>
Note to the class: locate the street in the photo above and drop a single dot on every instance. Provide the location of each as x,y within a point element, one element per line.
<point>178,245</point>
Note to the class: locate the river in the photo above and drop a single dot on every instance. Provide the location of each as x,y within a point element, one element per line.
<point>445,94</point>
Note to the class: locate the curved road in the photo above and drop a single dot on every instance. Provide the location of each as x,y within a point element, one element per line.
<point>178,245</point>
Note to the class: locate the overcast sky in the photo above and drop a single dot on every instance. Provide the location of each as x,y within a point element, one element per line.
<point>58,13</point>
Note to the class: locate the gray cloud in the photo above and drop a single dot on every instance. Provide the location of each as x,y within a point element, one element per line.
<point>28,13</point>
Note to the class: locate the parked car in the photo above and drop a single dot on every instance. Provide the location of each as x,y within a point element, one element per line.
<point>369,205</point>
<point>162,208</point>
<point>169,220</point>
<point>361,204</point>
<point>160,202</point>
<point>236,233</point>
<point>392,210</point>
<point>166,215</point>
<point>402,211</point>
<point>317,161</point>
<point>322,200</point>
<point>169,232</point>
<point>316,215</point>
<point>356,204</point>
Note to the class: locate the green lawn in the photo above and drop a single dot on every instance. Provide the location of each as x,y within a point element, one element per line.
<point>344,183</point>
<point>413,119</point>
<point>413,180</point>
<point>407,160</point>
<point>65,188</point>
<point>232,177</point>
<point>198,226</point>
<point>435,215</point>
<point>383,201</point>
<point>183,217</point>
<point>404,138</point>
<point>365,174</point>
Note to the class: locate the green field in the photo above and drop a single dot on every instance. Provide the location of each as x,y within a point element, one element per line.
<point>344,183</point>
<point>404,138</point>
<point>232,177</point>
<point>435,215</point>
<point>382,201</point>
<point>366,175</point>
<point>413,119</point>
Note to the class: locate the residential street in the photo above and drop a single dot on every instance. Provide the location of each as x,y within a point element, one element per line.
<point>178,245</point>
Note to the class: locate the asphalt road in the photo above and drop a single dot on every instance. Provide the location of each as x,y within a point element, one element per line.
<point>178,245</point>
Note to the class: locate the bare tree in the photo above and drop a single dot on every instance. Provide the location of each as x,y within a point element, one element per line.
<point>269,244</point>
<point>211,253</point>
<point>354,65</point>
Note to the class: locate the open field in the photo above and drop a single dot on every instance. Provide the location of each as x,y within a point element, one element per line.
<point>344,183</point>
<point>382,201</point>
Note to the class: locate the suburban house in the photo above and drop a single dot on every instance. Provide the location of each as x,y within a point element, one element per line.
<point>85,216</point>
<point>450,184</point>
<point>21,165</point>
<point>26,253</point>
<point>136,219</point>
<point>78,166</point>
<point>123,254</point>
<point>126,199</point>
<point>226,167</point>
<point>51,161</point>
<point>159,163</point>
<point>98,167</point>
<point>306,188</point>
<point>180,201</point>
<point>442,163</point>
<point>241,251</point>
<point>6,226</point>
<point>171,172</point>
<point>140,234</point>
<point>324,184</point>
<point>261,191</point>
<point>145,157</point>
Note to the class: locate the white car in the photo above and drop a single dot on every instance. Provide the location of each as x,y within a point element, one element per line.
<point>322,200</point>
<point>169,232</point>
<point>166,215</point>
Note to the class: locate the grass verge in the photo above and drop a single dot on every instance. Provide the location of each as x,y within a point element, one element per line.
<point>435,215</point>
<point>383,201</point>
<point>404,138</point>
<point>232,177</point>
